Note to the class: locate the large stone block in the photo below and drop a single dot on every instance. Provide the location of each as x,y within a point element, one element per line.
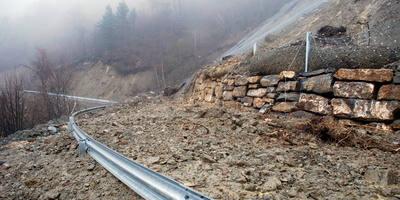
<point>288,96</point>
<point>354,90</point>
<point>389,92</point>
<point>269,80</point>
<point>288,86</point>
<point>370,75</point>
<point>240,91</point>
<point>260,92</point>
<point>285,107</point>
<point>342,108</point>
<point>241,80</point>
<point>319,84</point>
<point>315,103</point>
<point>366,110</point>
<point>371,110</point>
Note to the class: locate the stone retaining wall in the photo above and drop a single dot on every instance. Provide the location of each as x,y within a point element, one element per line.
<point>360,94</point>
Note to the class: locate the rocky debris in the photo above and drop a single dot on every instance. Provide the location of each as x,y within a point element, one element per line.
<point>224,153</point>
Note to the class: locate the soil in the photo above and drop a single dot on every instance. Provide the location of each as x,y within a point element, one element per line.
<point>222,152</point>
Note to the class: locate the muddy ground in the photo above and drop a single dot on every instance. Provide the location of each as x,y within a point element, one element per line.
<point>222,152</point>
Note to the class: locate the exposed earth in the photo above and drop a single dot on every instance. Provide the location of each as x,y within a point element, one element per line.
<point>222,152</point>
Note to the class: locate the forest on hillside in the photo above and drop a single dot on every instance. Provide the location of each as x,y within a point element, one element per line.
<point>174,35</point>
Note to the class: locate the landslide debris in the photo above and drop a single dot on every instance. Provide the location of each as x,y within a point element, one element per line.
<point>222,152</point>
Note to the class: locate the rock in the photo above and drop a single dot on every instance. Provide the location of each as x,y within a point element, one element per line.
<point>375,110</point>
<point>52,129</point>
<point>396,79</point>
<point>254,86</point>
<point>266,108</point>
<point>290,96</point>
<point>389,92</point>
<point>367,110</point>
<point>228,87</point>
<point>354,90</point>
<point>218,92</point>
<point>240,91</point>
<point>247,101</point>
<point>254,79</point>
<point>341,108</point>
<point>273,183</point>
<point>233,104</point>
<point>287,75</point>
<point>258,102</point>
<point>369,75</point>
<point>209,98</point>
<point>396,125</point>
<point>227,96</point>
<point>154,160</point>
<point>241,80</point>
<point>381,177</point>
<point>288,86</point>
<point>317,72</point>
<point>271,95</point>
<point>269,80</point>
<point>285,107</point>
<point>207,158</point>
<point>260,92</point>
<point>315,103</point>
<point>319,84</point>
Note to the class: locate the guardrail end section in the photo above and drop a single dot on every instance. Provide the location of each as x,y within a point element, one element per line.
<point>82,149</point>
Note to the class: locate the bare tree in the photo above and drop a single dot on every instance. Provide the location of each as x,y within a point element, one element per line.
<point>12,106</point>
<point>53,82</point>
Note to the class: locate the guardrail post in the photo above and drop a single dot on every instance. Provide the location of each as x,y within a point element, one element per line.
<point>307,50</point>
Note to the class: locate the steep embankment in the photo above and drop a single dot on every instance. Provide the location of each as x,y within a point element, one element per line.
<point>98,80</point>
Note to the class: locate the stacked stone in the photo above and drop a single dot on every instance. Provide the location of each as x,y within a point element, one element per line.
<point>362,94</point>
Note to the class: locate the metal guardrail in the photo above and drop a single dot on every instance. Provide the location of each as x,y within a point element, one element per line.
<point>144,181</point>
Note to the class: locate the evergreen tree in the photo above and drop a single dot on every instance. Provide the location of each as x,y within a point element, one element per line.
<point>132,19</point>
<point>107,28</point>
<point>122,28</point>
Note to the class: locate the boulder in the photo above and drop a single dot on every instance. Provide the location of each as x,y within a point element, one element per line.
<point>383,177</point>
<point>289,96</point>
<point>319,84</point>
<point>240,91</point>
<point>366,110</point>
<point>354,90</point>
<point>288,86</point>
<point>285,107</point>
<point>241,80</point>
<point>371,110</point>
<point>342,108</point>
<point>315,103</point>
<point>260,92</point>
<point>389,92</point>
<point>369,75</point>
<point>269,80</point>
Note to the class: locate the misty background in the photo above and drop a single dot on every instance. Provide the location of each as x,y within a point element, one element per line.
<point>168,34</point>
